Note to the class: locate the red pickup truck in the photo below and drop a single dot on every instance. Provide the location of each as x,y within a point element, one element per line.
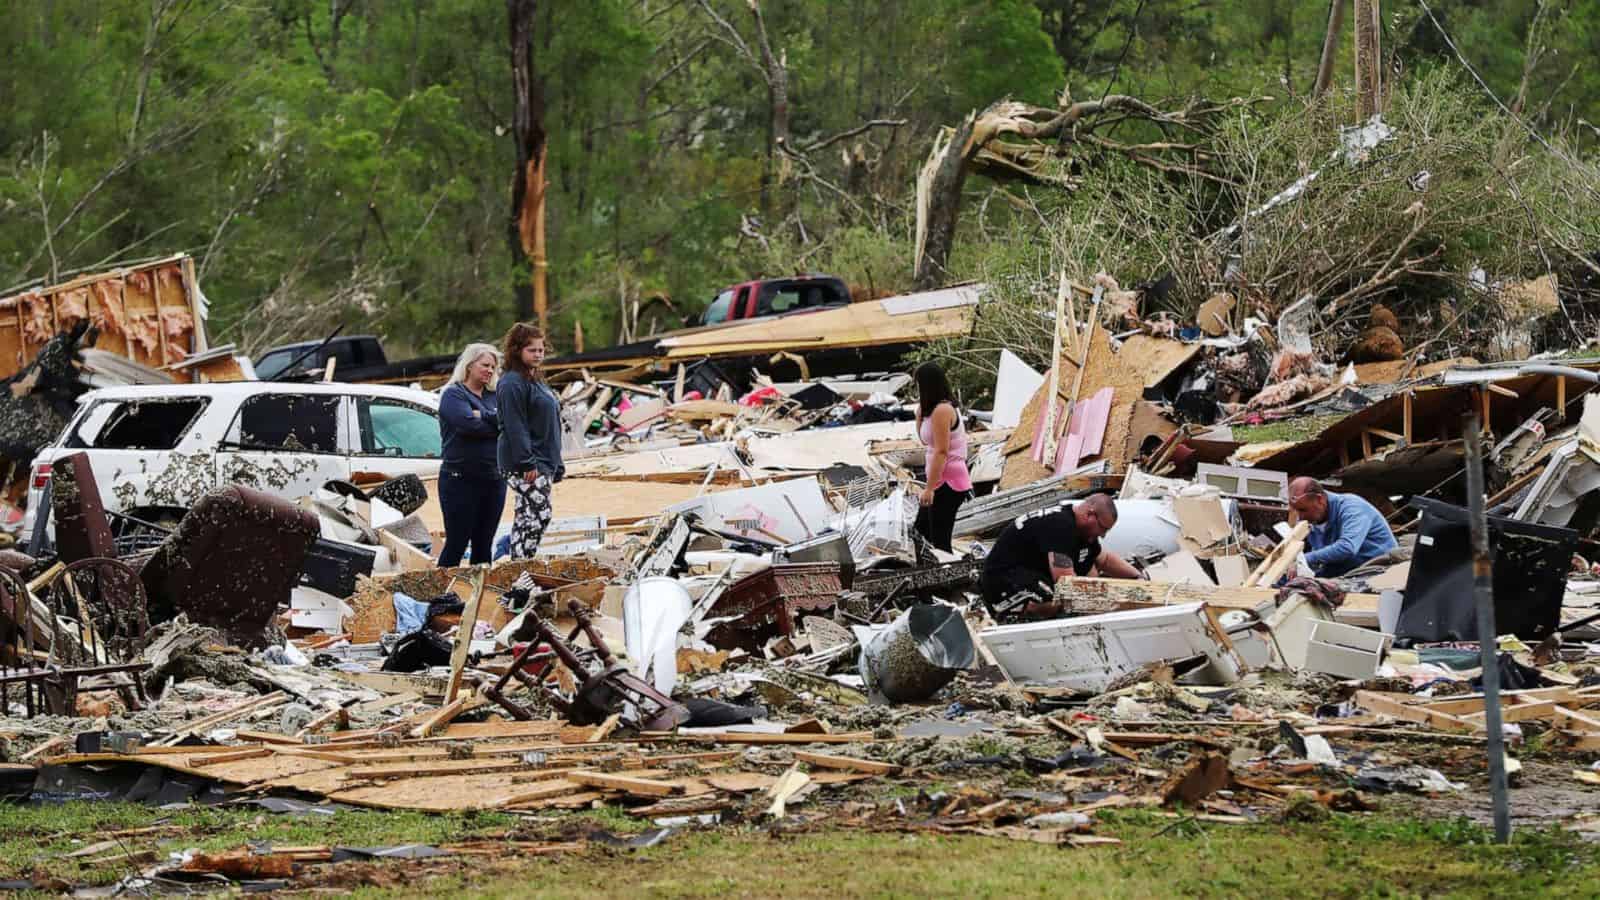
<point>775,296</point>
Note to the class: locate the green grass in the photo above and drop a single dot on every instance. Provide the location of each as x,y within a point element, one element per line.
<point>37,838</point>
<point>1344,857</point>
<point>1296,429</point>
<point>1380,855</point>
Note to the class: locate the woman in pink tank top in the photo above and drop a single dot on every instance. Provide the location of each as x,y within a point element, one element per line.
<point>940,430</point>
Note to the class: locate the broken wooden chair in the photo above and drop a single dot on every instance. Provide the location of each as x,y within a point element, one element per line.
<point>603,686</point>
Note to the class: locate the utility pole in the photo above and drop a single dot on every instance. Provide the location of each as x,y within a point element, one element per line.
<point>1488,639</point>
<point>1369,58</point>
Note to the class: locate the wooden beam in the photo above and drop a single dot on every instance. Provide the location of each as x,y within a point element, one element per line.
<point>1281,557</point>
<point>440,716</point>
<point>1561,398</point>
<point>752,737</point>
<point>1502,391</point>
<point>1405,415</point>
<point>1136,594</point>
<point>469,619</point>
<point>846,763</point>
<point>1422,715</point>
<point>638,787</point>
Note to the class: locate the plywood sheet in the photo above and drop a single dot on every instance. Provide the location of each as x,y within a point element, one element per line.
<point>1143,360</point>
<point>856,325</point>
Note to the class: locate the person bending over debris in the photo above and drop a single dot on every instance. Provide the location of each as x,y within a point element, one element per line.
<point>530,437</point>
<point>940,430</point>
<point>1346,530</point>
<point>1040,547</point>
<point>471,491</point>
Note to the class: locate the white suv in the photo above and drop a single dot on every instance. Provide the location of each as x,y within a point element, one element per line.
<point>156,449</point>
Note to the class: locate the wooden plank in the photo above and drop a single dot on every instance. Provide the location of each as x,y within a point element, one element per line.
<point>846,763</point>
<point>638,787</point>
<point>409,558</point>
<point>1473,703</point>
<point>215,758</point>
<point>458,656</point>
<point>753,737</point>
<point>1572,720</point>
<point>1517,712</point>
<point>441,716</point>
<point>1389,706</point>
<point>1282,556</point>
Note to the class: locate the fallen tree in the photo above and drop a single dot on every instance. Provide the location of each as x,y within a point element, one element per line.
<point>1048,150</point>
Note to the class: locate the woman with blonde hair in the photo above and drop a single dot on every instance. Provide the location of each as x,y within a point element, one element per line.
<point>471,493</point>
<point>530,437</point>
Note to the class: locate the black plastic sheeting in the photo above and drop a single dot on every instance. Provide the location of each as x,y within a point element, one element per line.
<point>1530,564</point>
<point>150,785</point>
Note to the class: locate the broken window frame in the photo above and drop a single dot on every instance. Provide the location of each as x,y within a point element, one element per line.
<point>233,437</point>
<point>73,436</point>
<point>365,435</point>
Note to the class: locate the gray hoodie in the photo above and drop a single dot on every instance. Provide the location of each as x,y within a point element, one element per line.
<point>530,428</point>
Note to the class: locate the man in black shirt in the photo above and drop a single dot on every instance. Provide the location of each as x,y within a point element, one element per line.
<point>1020,572</point>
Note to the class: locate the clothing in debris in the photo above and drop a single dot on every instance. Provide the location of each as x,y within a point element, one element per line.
<point>1017,570</point>
<point>1353,533</point>
<point>530,428</point>
<point>471,492</point>
<point>1317,590</point>
<point>532,515</point>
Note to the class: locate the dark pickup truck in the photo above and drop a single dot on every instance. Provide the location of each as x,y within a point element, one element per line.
<point>357,358</point>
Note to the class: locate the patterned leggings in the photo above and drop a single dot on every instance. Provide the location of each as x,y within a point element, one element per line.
<point>532,515</point>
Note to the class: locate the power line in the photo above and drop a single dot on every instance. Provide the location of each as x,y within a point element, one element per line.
<point>1532,132</point>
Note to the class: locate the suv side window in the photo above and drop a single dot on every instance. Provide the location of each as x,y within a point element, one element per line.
<point>396,428</point>
<point>154,424</point>
<point>305,423</point>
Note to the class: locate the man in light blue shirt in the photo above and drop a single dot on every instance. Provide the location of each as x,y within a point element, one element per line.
<point>1346,530</point>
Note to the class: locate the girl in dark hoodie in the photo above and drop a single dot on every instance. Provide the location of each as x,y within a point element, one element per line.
<point>529,452</point>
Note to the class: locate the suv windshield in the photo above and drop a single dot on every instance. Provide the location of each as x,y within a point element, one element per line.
<point>154,424</point>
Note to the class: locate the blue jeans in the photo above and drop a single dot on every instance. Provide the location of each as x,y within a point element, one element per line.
<point>471,507</point>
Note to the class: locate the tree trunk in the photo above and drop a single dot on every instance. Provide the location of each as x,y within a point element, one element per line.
<point>777,78</point>
<point>525,226</point>
<point>1330,48</point>
<point>1369,61</point>
<point>939,207</point>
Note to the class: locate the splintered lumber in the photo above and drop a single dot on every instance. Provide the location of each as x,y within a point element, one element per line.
<point>846,763</point>
<point>1389,705</point>
<point>639,787</point>
<point>756,737</point>
<point>469,620</point>
<point>206,723</point>
<point>788,785</point>
<point>441,716</point>
<point>1572,720</point>
<point>1134,594</point>
<point>1281,557</point>
<point>683,806</point>
<point>59,742</point>
<point>213,759</point>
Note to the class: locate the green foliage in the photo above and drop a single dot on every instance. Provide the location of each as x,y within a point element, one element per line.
<point>351,163</point>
